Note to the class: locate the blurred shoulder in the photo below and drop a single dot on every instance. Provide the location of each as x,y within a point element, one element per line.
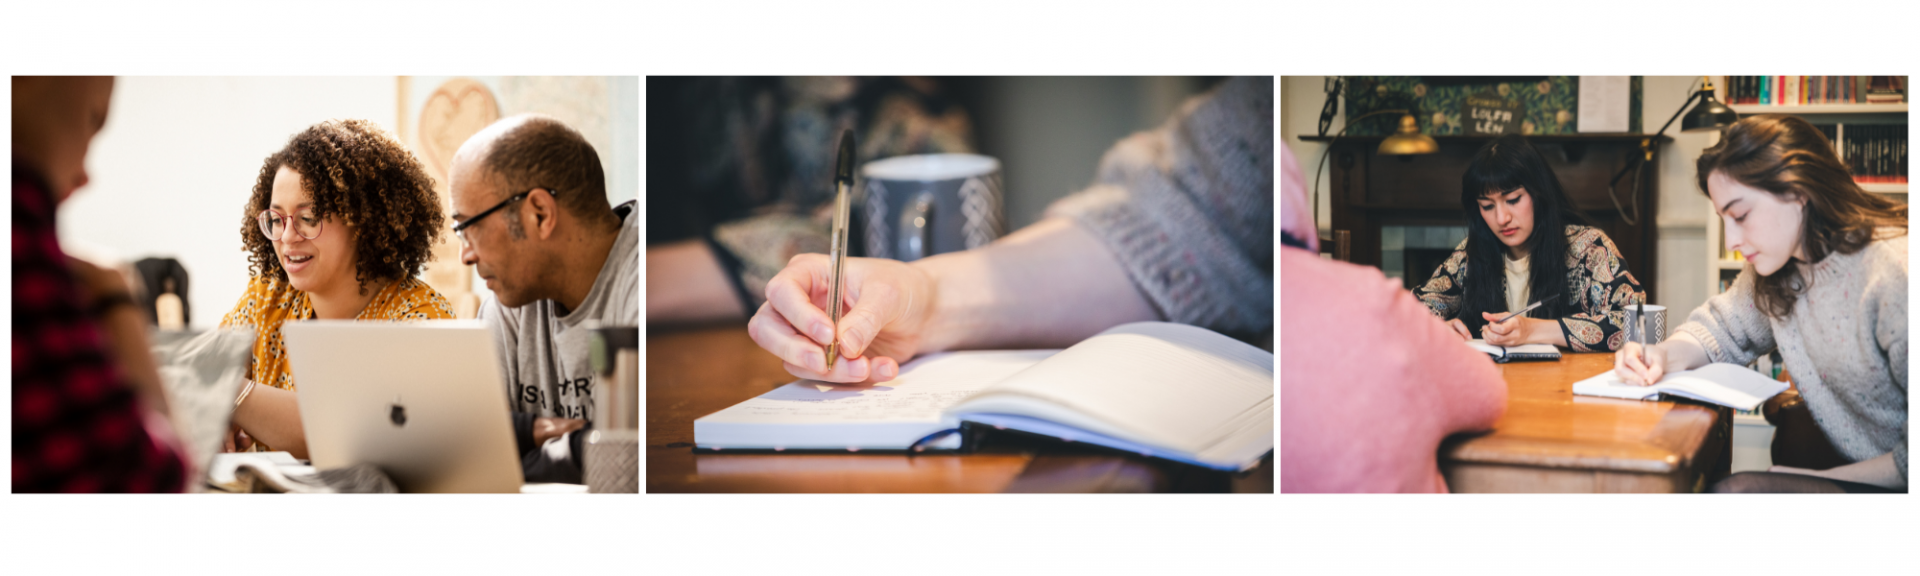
<point>1314,286</point>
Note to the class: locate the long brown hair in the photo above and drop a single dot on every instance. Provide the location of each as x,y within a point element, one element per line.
<point>1791,159</point>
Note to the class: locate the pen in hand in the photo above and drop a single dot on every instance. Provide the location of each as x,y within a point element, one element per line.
<point>843,185</point>
<point>1529,308</point>
<point>1640,312</point>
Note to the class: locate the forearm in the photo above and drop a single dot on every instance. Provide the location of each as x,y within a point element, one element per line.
<point>686,284</point>
<point>1684,353</point>
<point>125,330</point>
<point>1047,285</point>
<point>272,416</point>
<point>1549,332</point>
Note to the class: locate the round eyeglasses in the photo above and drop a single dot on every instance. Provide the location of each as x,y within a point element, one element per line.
<point>273,223</point>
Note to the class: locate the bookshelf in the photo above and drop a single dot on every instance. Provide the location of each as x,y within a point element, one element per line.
<point>1718,270</point>
<point>1751,109</point>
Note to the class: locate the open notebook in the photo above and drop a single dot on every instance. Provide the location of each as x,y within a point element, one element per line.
<point>1719,383</point>
<point>1505,354</point>
<point>1164,390</point>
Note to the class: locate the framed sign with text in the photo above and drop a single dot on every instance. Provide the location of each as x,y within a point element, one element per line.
<point>1489,113</point>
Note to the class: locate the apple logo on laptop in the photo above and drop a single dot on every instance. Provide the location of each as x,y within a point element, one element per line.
<point>398,415</point>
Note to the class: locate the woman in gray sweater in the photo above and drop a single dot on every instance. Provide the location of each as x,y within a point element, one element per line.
<point>1825,285</point>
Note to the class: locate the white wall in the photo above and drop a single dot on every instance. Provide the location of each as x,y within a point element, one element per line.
<point>1300,101</point>
<point>1683,210</point>
<point>172,170</point>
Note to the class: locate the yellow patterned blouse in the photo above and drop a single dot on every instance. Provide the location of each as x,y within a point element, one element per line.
<point>268,303</point>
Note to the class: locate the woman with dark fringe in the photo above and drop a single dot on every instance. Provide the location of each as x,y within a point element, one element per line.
<point>1525,243</point>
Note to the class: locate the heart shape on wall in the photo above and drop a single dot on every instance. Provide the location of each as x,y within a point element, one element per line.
<point>456,111</point>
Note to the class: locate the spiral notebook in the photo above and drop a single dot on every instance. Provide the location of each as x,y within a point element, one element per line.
<point>1163,390</point>
<point>1505,354</point>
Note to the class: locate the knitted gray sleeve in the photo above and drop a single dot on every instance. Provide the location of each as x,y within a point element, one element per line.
<point>1890,321</point>
<point>1729,326</point>
<point>1188,210</point>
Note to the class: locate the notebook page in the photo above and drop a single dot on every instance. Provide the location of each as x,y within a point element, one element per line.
<point>1166,384</point>
<point>923,389</point>
<point>1483,346</point>
<point>1725,384</point>
<point>1720,383</point>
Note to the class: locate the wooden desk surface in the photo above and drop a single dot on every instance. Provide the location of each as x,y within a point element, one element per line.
<point>1552,441</point>
<point>697,371</point>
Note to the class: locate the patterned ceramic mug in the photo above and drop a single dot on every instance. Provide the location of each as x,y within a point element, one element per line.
<point>612,462</point>
<point>918,206</point>
<point>1656,323</point>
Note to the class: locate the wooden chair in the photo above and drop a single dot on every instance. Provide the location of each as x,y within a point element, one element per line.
<point>1339,246</point>
<point>1798,441</point>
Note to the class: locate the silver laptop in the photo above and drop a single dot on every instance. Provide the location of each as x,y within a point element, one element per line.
<point>422,401</point>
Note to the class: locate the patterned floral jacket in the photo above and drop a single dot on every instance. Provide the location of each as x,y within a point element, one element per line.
<point>1597,279</point>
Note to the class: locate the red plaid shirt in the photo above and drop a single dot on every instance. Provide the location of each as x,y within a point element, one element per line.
<point>77,426</point>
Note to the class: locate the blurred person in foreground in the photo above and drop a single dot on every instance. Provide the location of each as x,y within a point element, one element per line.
<point>89,413</point>
<point>1372,381</point>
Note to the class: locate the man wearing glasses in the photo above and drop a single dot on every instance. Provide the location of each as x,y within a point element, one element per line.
<point>532,216</point>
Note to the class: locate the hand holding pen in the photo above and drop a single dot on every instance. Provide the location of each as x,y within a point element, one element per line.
<point>1643,363</point>
<point>889,304</point>
<point>1512,329</point>
<point>885,305</point>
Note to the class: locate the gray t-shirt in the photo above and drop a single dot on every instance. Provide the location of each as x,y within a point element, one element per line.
<point>545,355</point>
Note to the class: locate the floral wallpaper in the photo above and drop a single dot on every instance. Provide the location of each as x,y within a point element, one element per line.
<point>1551,104</point>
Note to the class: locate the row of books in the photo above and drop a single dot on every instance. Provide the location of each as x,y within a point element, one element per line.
<point>1802,90</point>
<point>1875,153</point>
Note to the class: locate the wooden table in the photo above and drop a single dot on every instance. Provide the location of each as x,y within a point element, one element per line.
<point>1552,441</point>
<point>693,372</point>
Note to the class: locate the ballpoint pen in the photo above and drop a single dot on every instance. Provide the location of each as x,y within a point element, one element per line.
<point>1529,308</point>
<point>1640,310</point>
<point>843,186</point>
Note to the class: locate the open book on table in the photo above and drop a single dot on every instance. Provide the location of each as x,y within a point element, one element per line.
<point>1505,354</point>
<point>1719,383</point>
<point>1163,390</point>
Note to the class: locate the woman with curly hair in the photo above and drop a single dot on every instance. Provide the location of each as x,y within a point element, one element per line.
<point>1516,210</point>
<point>340,224</point>
<point>1825,285</point>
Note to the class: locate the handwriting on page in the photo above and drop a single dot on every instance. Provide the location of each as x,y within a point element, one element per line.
<point>852,403</point>
<point>924,388</point>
